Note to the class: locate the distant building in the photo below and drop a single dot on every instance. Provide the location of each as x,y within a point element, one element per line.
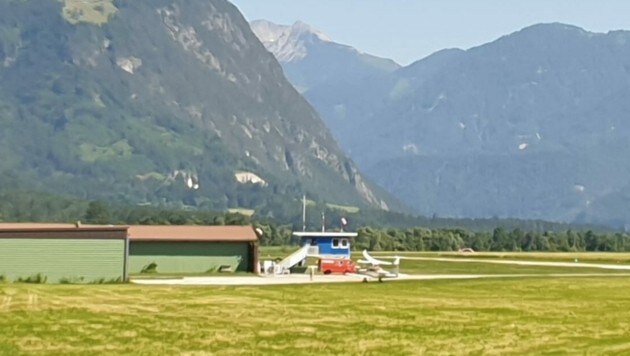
<point>59,253</point>
<point>63,252</point>
<point>192,249</point>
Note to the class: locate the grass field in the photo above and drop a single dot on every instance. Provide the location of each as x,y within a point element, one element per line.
<point>595,257</point>
<point>587,257</point>
<point>440,267</point>
<point>504,316</point>
<point>242,211</point>
<point>526,315</point>
<point>346,208</point>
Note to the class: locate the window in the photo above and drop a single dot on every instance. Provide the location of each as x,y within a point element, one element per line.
<point>340,243</point>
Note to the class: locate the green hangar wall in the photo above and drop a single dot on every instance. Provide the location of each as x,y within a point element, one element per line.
<point>63,252</point>
<point>192,249</point>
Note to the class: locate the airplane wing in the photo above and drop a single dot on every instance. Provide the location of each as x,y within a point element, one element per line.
<point>372,260</point>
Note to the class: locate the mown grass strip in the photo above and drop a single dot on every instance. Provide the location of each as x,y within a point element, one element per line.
<point>505,316</point>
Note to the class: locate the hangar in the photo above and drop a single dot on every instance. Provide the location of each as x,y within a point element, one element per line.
<point>192,249</point>
<point>57,253</point>
<point>75,253</point>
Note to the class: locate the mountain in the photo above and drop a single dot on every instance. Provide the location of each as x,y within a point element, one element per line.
<point>533,125</point>
<point>159,102</point>
<point>311,59</point>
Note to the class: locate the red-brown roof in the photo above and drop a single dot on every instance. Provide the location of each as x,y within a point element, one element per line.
<point>191,233</point>
<point>61,231</point>
<point>147,232</point>
<point>56,227</point>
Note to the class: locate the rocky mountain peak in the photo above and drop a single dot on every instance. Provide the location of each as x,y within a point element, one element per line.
<point>287,43</point>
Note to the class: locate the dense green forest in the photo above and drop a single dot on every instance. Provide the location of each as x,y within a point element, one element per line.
<point>378,230</point>
<point>104,100</point>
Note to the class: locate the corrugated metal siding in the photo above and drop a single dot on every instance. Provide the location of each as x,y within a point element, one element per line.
<point>89,259</point>
<point>188,257</point>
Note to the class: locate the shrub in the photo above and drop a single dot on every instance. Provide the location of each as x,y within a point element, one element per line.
<point>71,280</point>
<point>3,279</point>
<point>106,281</point>
<point>36,278</point>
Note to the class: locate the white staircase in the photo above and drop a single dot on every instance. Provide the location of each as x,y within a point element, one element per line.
<point>296,257</point>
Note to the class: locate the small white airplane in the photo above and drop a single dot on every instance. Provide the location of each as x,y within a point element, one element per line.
<point>374,269</point>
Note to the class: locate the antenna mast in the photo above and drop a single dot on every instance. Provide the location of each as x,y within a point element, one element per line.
<point>304,212</point>
<point>323,222</point>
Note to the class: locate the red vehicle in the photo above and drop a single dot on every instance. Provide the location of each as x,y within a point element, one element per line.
<point>337,265</point>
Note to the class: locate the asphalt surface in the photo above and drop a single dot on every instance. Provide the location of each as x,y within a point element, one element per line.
<point>306,279</point>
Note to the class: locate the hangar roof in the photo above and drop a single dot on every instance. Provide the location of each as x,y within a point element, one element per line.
<point>56,227</point>
<point>191,233</point>
<point>56,230</point>
<point>142,232</point>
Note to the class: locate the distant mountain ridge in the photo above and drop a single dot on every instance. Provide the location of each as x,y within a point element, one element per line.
<point>311,59</point>
<point>532,125</point>
<point>161,102</point>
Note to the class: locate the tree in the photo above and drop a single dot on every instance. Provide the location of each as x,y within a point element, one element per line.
<point>97,213</point>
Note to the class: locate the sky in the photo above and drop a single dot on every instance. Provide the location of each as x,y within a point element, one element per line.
<point>409,30</point>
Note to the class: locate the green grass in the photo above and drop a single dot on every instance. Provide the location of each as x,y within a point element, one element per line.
<point>92,153</point>
<point>504,316</point>
<point>346,208</point>
<point>586,257</point>
<point>242,211</point>
<point>442,267</point>
<point>91,11</point>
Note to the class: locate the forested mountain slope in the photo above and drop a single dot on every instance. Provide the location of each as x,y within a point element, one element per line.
<point>165,101</point>
<point>533,125</point>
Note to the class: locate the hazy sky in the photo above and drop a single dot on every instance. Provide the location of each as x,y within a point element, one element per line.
<point>407,30</point>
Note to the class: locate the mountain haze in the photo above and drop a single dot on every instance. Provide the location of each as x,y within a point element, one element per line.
<point>165,101</point>
<point>533,125</point>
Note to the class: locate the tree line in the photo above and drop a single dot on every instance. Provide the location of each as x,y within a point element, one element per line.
<point>375,235</point>
<point>500,239</point>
